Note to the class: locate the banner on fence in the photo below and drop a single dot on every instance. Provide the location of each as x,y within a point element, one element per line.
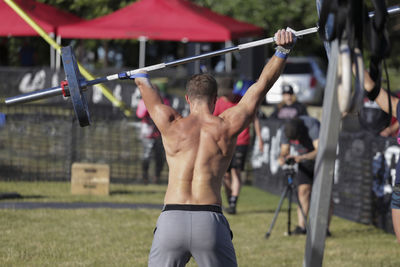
<point>16,81</point>
<point>363,177</point>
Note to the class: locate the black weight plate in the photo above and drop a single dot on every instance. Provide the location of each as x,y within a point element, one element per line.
<point>73,77</point>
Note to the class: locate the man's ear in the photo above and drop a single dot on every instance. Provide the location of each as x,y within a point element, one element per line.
<point>187,99</point>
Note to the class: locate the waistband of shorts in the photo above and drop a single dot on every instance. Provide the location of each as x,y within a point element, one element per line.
<point>188,207</point>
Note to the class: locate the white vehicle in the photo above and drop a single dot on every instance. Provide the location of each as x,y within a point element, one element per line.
<point>306,77</point>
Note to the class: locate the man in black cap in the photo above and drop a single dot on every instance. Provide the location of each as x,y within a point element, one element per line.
<point>289,107</point>
<point>300,143</point>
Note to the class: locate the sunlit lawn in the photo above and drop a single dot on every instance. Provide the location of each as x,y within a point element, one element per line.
<point>122,237</point>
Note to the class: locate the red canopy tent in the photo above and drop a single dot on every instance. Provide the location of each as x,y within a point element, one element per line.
<point>172,20</point>
<point>48,17</point>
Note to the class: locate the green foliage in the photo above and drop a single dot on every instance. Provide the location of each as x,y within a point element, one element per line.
<point>270,15</point>
<point>273,15</point>
<point>88,9</point>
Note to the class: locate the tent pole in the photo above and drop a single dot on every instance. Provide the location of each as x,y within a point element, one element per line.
<point>52,53</point>
<point>142,51</point>
<point>197,48</point>
<point>228,57</point>
<point>58,55</point>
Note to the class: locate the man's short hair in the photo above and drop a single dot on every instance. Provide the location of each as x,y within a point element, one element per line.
<point>293,128</point>
<point>202,87</point>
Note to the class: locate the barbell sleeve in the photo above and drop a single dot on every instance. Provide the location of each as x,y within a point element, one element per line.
<point>35,95</point>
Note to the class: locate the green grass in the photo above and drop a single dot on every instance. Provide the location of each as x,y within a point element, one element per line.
<point>61,192</point>
<point>122,237</point>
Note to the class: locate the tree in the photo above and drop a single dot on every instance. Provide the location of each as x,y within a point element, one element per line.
<point>272,15</point>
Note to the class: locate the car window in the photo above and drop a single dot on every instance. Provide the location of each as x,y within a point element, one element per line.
<point>297,68</point>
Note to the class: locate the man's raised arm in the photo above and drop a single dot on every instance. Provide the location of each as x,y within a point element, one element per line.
<point>272,70</point>
<point>161,114</point>
<point>243,113</point>
<point>379,95</point>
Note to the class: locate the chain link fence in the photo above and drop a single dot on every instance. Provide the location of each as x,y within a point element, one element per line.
<point>40,142</point>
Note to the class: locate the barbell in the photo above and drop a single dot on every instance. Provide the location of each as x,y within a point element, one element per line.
<point>75,85</point>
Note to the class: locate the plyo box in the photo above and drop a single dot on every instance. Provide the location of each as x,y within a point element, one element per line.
<point>90,179</point>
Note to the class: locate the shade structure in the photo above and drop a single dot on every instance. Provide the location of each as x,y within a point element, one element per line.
<point>48,17</point>
<point>172,20</point>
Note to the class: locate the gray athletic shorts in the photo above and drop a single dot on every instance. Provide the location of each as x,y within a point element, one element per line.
<point>201,231</point>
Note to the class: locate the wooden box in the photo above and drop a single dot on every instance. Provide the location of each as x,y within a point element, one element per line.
<point>90,179</point>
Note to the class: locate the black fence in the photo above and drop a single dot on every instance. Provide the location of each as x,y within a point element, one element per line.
<point>363,176</point>
<point>40,141</point>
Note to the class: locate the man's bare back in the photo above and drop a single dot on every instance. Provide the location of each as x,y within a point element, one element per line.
<point>198,150</point>
<point>199,147</point>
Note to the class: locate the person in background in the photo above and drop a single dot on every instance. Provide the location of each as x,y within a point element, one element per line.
<point>2,120</point>
<point>151,140</point>
<point>393,129</point>
<point>376,121</point>
<point>289,107</point>
<point>229,97</point>
<point>300,142</point>
<point>380,96</point>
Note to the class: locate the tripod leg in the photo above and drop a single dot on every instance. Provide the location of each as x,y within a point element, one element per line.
<point>277,212</point>
<point>290,192</point>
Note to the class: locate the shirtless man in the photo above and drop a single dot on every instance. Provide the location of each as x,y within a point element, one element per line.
<point>199,149</point>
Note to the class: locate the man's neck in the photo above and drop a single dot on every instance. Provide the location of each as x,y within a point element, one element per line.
<point>199,108</point>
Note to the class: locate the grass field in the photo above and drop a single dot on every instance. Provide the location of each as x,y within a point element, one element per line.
<point>122,237</point>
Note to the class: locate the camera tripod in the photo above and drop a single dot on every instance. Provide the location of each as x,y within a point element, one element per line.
<point>288,191</point>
